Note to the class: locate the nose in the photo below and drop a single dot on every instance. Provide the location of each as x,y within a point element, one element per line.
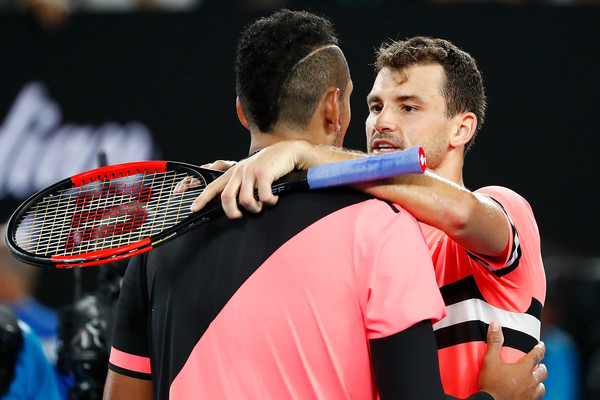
<point>384,121</point>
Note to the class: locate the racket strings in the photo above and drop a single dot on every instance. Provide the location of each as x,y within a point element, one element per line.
<point>106,214</point>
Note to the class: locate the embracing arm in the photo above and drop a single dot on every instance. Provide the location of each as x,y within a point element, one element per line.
<point>122,387</point>
<point>406,367</point>
<point>260,170</point>
<point>472,221</point>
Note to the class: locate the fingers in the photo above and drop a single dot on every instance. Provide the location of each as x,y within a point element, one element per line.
<point>535,356</point>
<point>265,192</point>
<point>254,179</point>
<point>229,195</point>
<point>247,198</point>
<point>540,373</point>
<point>185,184</point>
<point>182,186</point>
<point>521,380</point>
<point>540,391</point>
<point>248,176</point>
<point>238,185</point>
<point>264,178</point>
<point>495,340</point>
<point>218,186</point>
<point>220,165</point>
<point>210,192</point>
<point>236,182</point>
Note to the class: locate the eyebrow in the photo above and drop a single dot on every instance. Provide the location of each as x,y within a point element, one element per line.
<point>372,97</point>
<point>411,97</point>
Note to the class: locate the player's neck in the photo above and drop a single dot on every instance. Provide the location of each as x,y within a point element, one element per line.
<point>281,131</point>
<point>451,169</point>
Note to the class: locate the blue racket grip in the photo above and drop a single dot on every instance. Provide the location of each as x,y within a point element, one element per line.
<point>409,161</point>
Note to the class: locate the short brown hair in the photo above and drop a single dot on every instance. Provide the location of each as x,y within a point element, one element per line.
<point>463,88</point>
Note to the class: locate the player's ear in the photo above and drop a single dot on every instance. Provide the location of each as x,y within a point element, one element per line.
<point>332,108</point>
<point>240,113</point>
<point>466,123</point>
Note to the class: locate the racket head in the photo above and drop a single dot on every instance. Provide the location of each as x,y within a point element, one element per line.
<point>105,214</point>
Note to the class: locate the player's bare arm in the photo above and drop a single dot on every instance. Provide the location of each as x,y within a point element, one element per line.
<point>472,221</point>
<point>395,357</point>
<point>259,172</point>
<point>122,387</point>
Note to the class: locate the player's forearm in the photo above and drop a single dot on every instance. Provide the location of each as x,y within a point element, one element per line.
<point>307,155</point>
<point>429,198</point>
<point>473,222</point>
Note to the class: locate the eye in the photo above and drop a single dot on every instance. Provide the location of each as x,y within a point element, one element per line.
<point>375,108</point>
<point>408,108</point>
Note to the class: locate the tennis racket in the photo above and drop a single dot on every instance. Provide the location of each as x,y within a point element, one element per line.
<point>118,211</point>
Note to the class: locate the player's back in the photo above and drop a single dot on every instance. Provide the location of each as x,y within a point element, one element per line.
<point>282,305</point>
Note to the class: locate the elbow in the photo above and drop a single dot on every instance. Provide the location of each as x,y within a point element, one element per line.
<point>458,214</point>
<point>456,223</point>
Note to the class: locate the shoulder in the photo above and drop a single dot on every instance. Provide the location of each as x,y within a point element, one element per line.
<point>504,196</point>
<point>385,224</point>
<point>511,202</point>
<point>525,246</point>
<point>301,209</point>
<point>376,211</point>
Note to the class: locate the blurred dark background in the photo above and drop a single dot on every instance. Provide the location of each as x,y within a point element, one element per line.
<point>156,81</point>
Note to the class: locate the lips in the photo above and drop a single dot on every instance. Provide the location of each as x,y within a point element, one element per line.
<point>383,146</point>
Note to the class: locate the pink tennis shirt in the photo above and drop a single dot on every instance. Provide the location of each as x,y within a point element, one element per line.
<point>478,290</point>
<point>299,326</point>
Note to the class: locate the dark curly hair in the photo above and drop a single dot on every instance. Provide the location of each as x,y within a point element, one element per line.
<point>275,80</point>
<point>463,89</point>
